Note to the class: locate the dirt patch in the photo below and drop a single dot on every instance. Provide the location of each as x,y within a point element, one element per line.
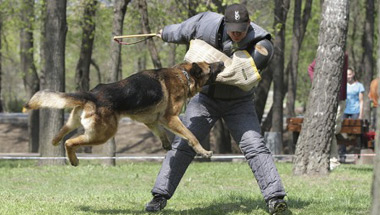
<point>13,138</point>
<point>132,138</point>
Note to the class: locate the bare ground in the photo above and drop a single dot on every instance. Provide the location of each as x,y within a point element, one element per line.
<point>132,137</point>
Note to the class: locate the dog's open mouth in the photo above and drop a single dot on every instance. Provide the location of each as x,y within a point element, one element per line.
<point>215,69</point>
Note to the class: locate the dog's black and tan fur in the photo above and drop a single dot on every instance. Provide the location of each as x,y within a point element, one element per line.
<point>154,97</point>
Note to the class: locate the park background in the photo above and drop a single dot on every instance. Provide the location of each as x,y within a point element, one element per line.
<point>84,31</point>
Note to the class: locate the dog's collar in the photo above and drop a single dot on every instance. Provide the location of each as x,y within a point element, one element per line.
<point>188,81</point>
<point>187,77</point>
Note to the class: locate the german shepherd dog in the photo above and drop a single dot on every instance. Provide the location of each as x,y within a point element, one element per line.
<point>153,97</point>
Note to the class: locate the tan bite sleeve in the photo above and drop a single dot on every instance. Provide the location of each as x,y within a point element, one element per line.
<point>240,71</point>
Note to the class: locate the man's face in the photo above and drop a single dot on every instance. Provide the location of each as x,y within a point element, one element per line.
<point>236,36</point>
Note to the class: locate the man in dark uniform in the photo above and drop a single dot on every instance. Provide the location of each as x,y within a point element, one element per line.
<point>229,33</point>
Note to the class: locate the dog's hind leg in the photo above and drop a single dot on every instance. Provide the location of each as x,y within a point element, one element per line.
<point>175,125</point>
<point>160,132</point>
<point>96,133</point>
<point>72,123</point>
<point>73,144</point>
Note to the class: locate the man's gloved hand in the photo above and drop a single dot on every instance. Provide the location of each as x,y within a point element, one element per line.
<point>159,33</point>
<point>241,73</point>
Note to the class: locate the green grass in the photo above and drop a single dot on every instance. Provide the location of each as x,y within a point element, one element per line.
<point>206,189</point>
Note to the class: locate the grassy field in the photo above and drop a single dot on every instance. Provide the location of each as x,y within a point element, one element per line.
<point>206,189</point>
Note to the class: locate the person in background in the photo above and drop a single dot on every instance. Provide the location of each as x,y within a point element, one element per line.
<point>373,96</point>
<point>229,33</point>
<point>334,154</point>
<point>373,93</point>
<point>354,104</point>
<point>355,92</point>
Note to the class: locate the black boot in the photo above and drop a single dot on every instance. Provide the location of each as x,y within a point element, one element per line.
<point>276,205</point>
<point>158,203</point>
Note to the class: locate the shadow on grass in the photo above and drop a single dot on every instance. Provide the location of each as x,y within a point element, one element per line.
<point>233,204</point>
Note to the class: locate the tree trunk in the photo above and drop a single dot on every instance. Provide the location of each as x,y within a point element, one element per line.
<point>1,63</point>
<point>52,120</point>
<point>313,146</point>
<point>299,29</point>
<point>98,74</point>
<point>262,91</point>
<point>31,81</point>
<point>267,123</point>
<point>42,45</point>
<point>375,209</point>
<point>277,66</point>
<point>354,30</point>
<point>368,64</point>
<point>120,9</point>
<point>82,73</point>
<point>143,8</point>
<point>172,54</point>
<point>140,63</point>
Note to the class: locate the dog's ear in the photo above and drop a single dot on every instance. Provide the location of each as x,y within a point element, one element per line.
<point>196,70</point>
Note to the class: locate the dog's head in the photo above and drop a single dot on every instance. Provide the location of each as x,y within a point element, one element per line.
<point>205,73</point>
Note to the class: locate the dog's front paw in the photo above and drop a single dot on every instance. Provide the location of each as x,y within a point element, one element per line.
<point>207,154</point>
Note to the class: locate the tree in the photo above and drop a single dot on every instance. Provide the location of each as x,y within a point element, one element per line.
<point>1,71</point>
<point>375,209</point>
<point>277,68</point>
<point>299,29</point>
<point>261,93</point>
<point>31,80</point>
<point>368,44</point>
<point>313,146</point>
<point>143,8</point>
<point>172,54</point>
<point>120,8</point>
<point>354,32</point>
<point>82,73</point>
<point>141,61</point>
<point>55,34</point>
<point>42,21</point>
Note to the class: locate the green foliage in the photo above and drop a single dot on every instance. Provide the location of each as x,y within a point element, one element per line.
<point>161,13</point>
<point>207,188</point>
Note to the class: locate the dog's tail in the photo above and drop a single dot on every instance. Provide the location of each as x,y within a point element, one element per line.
<point>58,100</point>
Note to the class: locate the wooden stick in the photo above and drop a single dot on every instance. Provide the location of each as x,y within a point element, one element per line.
<point>135,35</point>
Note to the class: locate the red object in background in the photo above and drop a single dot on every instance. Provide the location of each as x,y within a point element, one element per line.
<point>370,135</point>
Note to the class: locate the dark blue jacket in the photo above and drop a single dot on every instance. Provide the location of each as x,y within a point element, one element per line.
<point>209,27</point>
